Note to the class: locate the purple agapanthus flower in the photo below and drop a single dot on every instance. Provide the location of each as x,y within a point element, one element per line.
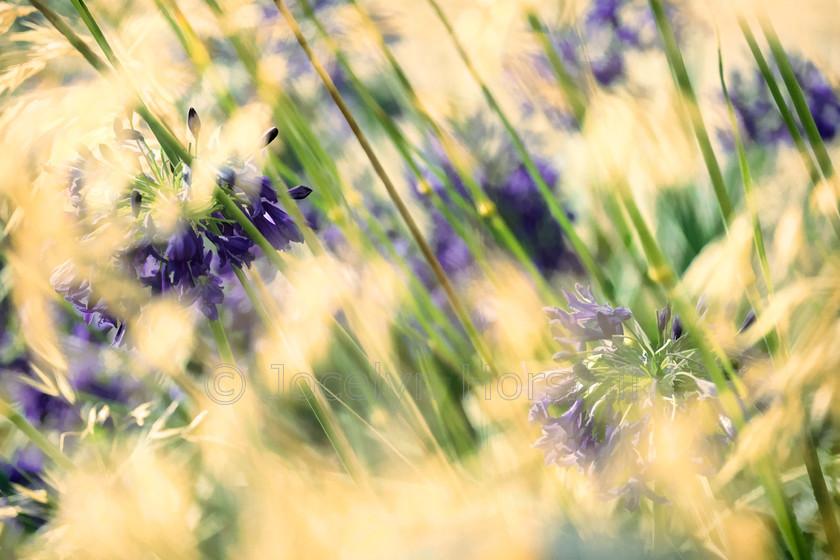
<point>192,261</point>
<point>523,209</point>
<point>587,320</point>
<point>263,208</point>
<point>79,292</point>
<point>573,438</point>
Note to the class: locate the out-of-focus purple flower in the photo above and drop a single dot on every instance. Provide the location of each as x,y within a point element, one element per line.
<point>610,30</point>
<point>519,203</point>
<point>759,116</point>
<point>79,292</point>
<point>633,491</point>
<point>449,248</point>
<point>571,438</point>
<point>329,232</point>
<point>525,212</point>
<point>25,466</point>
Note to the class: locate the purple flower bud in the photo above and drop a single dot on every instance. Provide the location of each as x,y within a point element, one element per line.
<point>748,321</point>
<point>269,136</point>
<point>193,123</point>
<point>300,192</point>
<point>136,200</point>
<point>676,328</point>
<point>662,319</point>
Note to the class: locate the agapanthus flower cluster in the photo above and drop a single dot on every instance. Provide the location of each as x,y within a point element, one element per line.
<point>515,196</point>
<point>759,116</point>
<point>598,414</point>
<point>192,259</point>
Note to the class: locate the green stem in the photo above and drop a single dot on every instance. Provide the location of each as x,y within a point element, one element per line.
<point>96,31</point>
<point>812,461</point>
<point>792,128</point>
<point>821,493</point>
<point>577,100</point>
<point>498,227</point>
<point>675,61</point>
<point>417,235</point>
<point>714,358</point>
<point>255,300</point>
<point>798,98</point>
<point>576,97</point>
<point>746,177</point>
<point>68,33</point>
<point>222,342</point>
<point>776,93</point>
<point>550,198</point>
<point>329,423</point>
<point>35,436</point>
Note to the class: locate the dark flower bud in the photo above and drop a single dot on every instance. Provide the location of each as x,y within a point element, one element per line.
<point>270,135</point>
<point>136,199</point>
<point>748,321</point>
<point>662,319</point>
<point>300,192</point>
<point>676,328</point>
<point>193,123</point>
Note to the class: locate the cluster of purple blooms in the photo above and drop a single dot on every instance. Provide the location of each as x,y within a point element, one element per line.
<point>759,116</point>
<point>611,29</point>
<point>577,436</point>
<point>608,33</point>
<point>49,411</point>
<point>193,262</point>
<point>584,410</point>
<point>519,204</point>
<point>186,265</point>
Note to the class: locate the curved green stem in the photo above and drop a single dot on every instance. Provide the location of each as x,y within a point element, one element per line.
<point>222,342</point>
<point>554,207</point>
<point>675,61</point>
<point>417,235</point>
<point>36,437</point>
